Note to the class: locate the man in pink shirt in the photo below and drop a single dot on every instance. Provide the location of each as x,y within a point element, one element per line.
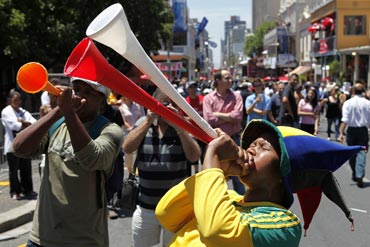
<point>223,109</point>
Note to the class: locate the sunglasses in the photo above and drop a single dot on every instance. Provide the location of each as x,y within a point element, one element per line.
<point>166,103</point>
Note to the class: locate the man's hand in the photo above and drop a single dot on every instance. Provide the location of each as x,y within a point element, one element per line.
<point>175,110</point>
<point>223,153</point>
<point>341,138</point>
<point>259,98</point>
<point>151,116</point>
<point>68,101</point>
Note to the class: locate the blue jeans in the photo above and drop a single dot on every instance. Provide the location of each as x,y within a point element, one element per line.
<point>358,136</point>
<point>336,123</point>
<point>360,164</point>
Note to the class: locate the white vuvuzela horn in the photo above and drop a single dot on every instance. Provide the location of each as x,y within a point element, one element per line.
<point>112,29</point>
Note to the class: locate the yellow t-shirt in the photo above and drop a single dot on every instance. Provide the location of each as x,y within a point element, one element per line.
<point>203,212</point>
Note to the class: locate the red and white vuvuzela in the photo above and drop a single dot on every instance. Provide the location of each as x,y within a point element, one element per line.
<point>87,62</point>
<point>112,29</point>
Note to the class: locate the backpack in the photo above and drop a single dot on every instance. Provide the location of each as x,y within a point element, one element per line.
<point>114,181</point>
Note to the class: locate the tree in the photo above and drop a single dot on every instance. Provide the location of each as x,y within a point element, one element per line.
<point>47,31</point>
<point>254,43</point>
<point>334,69</point>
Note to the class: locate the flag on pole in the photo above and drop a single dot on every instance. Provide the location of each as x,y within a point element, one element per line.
<point>202,25</point>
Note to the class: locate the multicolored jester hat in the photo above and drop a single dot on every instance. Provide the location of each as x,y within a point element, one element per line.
<point>307,164</point>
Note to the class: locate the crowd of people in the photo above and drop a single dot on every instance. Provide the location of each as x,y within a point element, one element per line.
<point>169,205</point>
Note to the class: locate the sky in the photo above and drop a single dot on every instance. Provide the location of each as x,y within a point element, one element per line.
<point>217,12</point>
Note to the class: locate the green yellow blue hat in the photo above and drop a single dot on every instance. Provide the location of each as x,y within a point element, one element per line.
<point>307,164</point>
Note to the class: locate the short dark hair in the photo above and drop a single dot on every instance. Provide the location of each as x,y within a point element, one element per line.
<point>13,92</point>
<point>218,75</point>
<point>294,74</point>
<point>257,80</point>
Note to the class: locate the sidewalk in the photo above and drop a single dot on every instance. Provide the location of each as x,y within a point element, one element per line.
<point>14,213</point>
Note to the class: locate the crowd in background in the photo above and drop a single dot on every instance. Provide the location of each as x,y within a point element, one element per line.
<point>224,103</point>
<point>294,103</point>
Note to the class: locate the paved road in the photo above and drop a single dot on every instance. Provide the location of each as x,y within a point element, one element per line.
<point>329,227</point>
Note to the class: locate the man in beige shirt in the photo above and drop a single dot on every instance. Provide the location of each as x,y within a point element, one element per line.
<point>71,208</point>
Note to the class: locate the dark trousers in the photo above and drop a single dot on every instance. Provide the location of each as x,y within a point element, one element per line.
<point>24,184</point>
<point>288,121</point>
<point>336,122</point>
<point>358,136</point>
<point>309,128</point>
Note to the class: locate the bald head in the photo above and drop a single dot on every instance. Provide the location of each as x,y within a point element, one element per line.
<point>359,88</point>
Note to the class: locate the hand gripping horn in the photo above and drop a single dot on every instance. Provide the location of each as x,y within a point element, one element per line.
<point>112,29</point>
<point>87,62</point>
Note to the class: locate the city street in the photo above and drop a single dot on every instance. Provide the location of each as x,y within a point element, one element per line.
<point>329,227</point>
<point>217,63</point>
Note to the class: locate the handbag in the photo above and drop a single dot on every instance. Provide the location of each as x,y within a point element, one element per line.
<point>130,190</point>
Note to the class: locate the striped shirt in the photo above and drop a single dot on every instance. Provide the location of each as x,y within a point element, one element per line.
<point>161,164</point>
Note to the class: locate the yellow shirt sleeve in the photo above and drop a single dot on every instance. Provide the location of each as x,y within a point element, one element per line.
<point>203,204</point>
<point>217,219</point>
<point>174,209</point>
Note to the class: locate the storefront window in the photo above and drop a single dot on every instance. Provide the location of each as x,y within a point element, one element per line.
<point>355,25</point>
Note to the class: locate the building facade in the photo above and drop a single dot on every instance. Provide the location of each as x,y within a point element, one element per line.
<point>262,9</point>
<point>232,46</point>
<point>340,35</point>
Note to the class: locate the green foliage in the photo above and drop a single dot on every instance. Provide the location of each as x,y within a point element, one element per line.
<point>334,68</point>
<point>254,44</point>
<point>47,31</point>
<point>302,77</point>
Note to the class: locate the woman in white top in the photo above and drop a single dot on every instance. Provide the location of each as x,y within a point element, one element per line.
<point>131,112</point>
<point>14,119</point>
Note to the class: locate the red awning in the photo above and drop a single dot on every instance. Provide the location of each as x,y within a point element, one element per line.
<point>283,78</point>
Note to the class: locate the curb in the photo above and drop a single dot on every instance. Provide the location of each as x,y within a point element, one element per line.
<point>17,216</point>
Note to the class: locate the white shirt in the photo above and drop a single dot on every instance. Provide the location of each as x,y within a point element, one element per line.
<point>131,114</point>
<point>45,99</point>
<point>9,119</point>
<point>268,91</point>
<point>356,112</point>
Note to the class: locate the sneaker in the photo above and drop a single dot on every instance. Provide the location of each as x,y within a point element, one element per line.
<point>16,196</point>
<point>360,183</point>
<point>328,139</point>
<point>112,214</point>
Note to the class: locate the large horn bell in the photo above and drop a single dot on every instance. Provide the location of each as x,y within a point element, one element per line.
<point>112,29</point>
<point>87,62</point>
